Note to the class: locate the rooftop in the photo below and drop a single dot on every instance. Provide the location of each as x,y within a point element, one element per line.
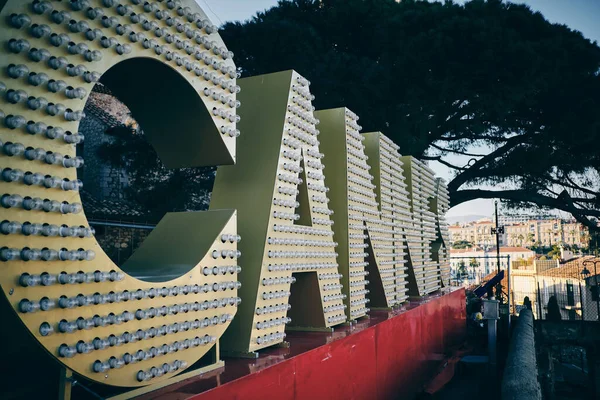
<point>493,250</point>
<point>570,269</point>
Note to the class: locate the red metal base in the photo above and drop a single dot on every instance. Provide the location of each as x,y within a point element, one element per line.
<point>390,355</point>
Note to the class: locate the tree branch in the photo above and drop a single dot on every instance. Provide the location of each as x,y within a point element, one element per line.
<point>573,186</point>
<point>456,151</point>
<point>472,172</point>
<point>439,159</point>
<point>474,137</point>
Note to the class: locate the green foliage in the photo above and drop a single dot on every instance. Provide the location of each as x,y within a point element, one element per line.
<point>554,252</point>
<point>473,263</point>
<point>462,244</point>
<point>443,78</point>
<point>530,239</point>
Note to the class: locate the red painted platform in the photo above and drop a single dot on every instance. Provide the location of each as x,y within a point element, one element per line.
<point>390,355</point>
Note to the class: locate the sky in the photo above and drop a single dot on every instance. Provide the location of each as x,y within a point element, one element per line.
<point>581,15</point>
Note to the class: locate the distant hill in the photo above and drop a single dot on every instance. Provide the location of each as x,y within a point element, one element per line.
<point>461,219</point>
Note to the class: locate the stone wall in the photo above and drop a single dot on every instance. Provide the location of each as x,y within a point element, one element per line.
<point>119,243</point>
<point>520,381</point>
<point>101,180</point>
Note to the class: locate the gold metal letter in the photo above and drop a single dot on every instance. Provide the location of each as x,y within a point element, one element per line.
<point>277,186</point>
<point>174,298</point>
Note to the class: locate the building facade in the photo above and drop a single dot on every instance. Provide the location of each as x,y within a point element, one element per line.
<point>478,264</point>
<point>477,233</point>
<point>534,232</point>
<point>540,280</point>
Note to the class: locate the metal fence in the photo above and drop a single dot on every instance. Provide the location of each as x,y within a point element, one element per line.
<point>563,300</point>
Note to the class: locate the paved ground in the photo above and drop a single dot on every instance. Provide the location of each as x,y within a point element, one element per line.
<point>473,378</point>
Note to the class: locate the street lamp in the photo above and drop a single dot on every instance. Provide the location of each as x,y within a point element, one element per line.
<point>585,273</point>
<point>594,289</point>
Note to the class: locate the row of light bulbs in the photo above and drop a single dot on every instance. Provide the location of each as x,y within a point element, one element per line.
<point>155,372</point>
<point>354,303</point>
<point>231,254</point>
<point>354,254</point>
<point>322,221</point>
<point>331,275</point>
<point>63,278</point>
<point>307,127</point>
<point>361,182</point>
<point>299,115</point>
<point>278,294</point>
<point>304,93</point>
<point>301,242</point>
<point>141,355</point>
<point>301,267</point>
<point>36,179</point>
<point>305,104</point>
<point>336,318</point>
<point>222,270</point>
<point>332,286</point>
<point>96,344</point>
<point>175,309</point>
<point>359,283</point>
<point>289,179</point>
<point>358,264</point>
<point>37,204</point>
<point>361,173</point>
<point>223,98</point>
<point>28,228</point>
<point>60,17</point>
<point>271,337</point>
<point>301,254</point>
<point>355,143</point>
<point>65,326</point>
<point>291,155</point>
<point>18,121</point>
<point>306,138</point>
<point>288,191</point>
<point>278,281</point>
<point>334,308</point>
<point>359,292</point>
<point>360,311</point>
<point>45,304</point>
<point>276,308</point>
<point>37,128</point>
<point>358,163</point>
<point>364,210</point>
<point>306,230</point>
<point>273,322</point>
<point>319,199</point>
<point>27,254</point>
<point>334,297</point>
<point>360,191</point>
<point>286,203</point>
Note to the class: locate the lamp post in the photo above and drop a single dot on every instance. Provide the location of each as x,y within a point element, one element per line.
<point>498,230</point>
<point>586,272</point>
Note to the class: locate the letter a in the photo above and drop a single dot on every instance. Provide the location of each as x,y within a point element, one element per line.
<point>277,186</point>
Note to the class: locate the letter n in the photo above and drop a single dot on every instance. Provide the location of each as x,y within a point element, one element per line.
<point>424,272</point>
<point>439,205</point>
<point>360,228</point>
